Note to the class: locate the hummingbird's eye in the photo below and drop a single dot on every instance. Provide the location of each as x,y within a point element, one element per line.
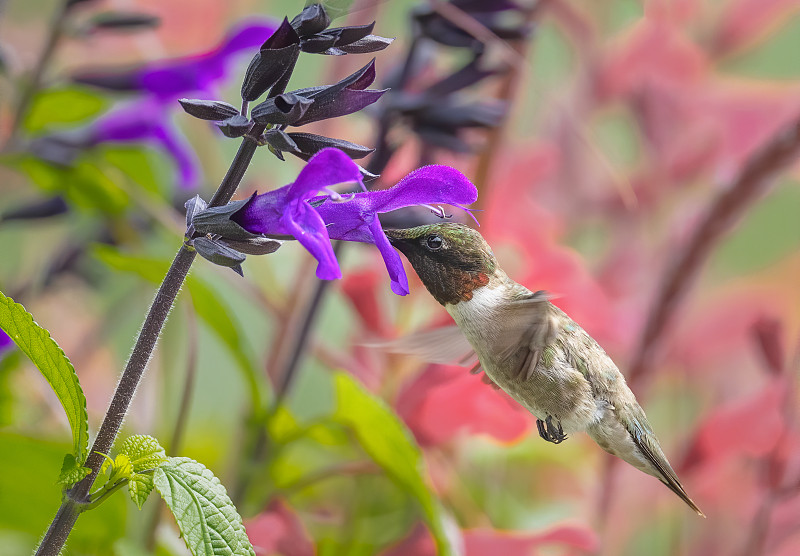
<point>434,242</point>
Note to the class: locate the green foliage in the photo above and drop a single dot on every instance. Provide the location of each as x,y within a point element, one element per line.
<point>208,304</point>
<point>207,518</point>
<point>84,184</point>
<point>389,443</point>
<point>145,454</point>
<point>63,106</point>
<point>49,358</point>
<point>71,471</point>
<point>28,501</point>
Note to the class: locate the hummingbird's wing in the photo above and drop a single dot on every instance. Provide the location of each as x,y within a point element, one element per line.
<point>528,323</point>
<point>446,345</point>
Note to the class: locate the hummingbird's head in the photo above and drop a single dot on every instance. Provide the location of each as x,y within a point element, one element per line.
<point>451,259</point>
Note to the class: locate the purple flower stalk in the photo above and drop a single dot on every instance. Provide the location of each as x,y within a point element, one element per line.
<point>299,210</point>
<point>148,118</point>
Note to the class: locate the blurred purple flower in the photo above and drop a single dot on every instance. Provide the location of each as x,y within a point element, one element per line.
<point>5,343</point>
<point>148,118</point>
<point>314,221</point>
<point>170,79</point>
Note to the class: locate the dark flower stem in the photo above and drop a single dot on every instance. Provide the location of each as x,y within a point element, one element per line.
<point>755,178</point>
<point>77,498</point>
<point>55,32</point>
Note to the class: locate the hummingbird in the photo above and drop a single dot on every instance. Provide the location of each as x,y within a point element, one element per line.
<point>527,347</point>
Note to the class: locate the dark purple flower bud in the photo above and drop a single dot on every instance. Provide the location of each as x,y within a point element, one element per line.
<point>258,245</point>
<point>122,21</point>
<point>214,110</point>
<point>308,144</point>
<point>370,43</point>
<point>283,109</point>
<point>280,141</point>
<point>45,208</point>
<point>311,21</point>
<point>216,221</point>
<point>276,56</point>
<point>472,73</point>
<point>194,206</point>
<point>218,253</point>
<point>349,35</point>
<point>235,126</point>
<point>318,44</point>
<point>345,97</point>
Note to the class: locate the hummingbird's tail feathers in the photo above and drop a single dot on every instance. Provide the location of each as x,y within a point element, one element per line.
<point>446,345</point>
<point>663,470</point>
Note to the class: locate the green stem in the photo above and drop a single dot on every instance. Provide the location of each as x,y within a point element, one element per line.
<point>56,31</point>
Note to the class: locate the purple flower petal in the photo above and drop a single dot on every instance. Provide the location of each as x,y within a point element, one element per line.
<point>326,168</point>
<point>427,185</point>
<point>394,265</point>
<point>176,145</point>
<point>246,35</point>
<point>307,227</point>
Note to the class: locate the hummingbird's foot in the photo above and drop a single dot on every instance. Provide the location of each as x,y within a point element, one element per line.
<point>550,430</point>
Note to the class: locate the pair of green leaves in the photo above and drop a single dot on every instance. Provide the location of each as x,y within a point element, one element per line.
<point>205,514</point>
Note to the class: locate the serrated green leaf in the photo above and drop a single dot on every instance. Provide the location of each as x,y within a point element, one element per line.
<point>389,443</point>
<point>122,469</point>
<point>207,518</point>
<point>71,471</point>
<point>144,452</point>
<point>139,488</point>
<point>35,342</point>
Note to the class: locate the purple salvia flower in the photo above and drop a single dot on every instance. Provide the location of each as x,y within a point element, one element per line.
<point>315,220</point>
<point>285,211</point>
<point>357,219</point>
<point>148,118</point>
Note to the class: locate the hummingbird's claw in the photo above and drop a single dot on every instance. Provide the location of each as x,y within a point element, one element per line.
<point>550,431</point>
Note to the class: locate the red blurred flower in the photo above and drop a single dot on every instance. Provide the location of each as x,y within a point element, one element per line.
<point>487,542</point>
<point>445,400</point>
<point>278,530</point>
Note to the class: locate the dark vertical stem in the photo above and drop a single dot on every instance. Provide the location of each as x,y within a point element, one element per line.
<point>55,32</point>
<point>78,496</point>
<point>756,176</point>
<point>173,447</point>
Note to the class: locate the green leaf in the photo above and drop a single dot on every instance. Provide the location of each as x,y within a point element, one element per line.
<point>35,342</point>
<point>144,452</point>
<point>139,488</point>
<point>71,471</point>
<point>389,443</point>
<point>84,184</point>
<point>207,518</point>
<point>62,106</point>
